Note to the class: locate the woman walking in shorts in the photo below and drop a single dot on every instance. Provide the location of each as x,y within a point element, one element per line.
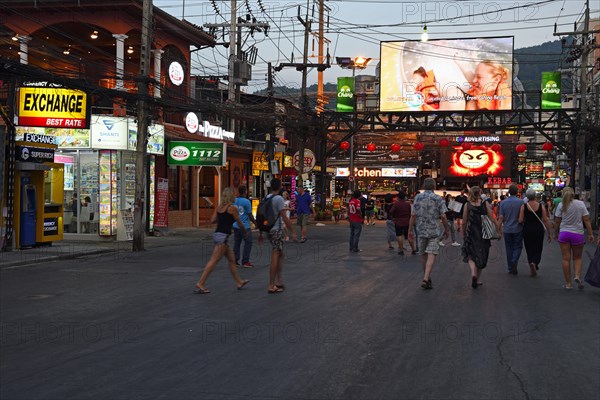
<point>225,215</point>
<point>570,217</point>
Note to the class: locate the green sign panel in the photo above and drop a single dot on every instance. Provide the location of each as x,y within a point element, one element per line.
<point>551,90</point>
<point>345,97</point>
<point>197,154</point>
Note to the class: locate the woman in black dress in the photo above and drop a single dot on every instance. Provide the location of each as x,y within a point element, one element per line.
<point>476,249</point>
<point>535,222</point>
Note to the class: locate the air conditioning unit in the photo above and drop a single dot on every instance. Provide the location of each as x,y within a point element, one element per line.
<point>242,72</point>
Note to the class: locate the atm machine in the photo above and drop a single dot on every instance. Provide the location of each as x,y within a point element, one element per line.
<point>28,218</point>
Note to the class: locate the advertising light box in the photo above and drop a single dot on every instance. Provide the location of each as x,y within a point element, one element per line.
<point>109,133</point>
<point>197,154</point>
<point>44,105</point>
<point>453,74</point>
<point>478,160</point>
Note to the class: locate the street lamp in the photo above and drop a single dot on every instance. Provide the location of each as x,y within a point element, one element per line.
<point>355,63</point>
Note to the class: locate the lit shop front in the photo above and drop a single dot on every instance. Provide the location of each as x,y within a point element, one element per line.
<point>382,179</point>
<point>99,171</point>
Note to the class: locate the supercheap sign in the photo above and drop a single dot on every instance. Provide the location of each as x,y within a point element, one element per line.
<point>52,107</point>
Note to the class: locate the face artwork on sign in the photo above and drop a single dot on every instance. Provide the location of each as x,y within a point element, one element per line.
<point>476,161</point>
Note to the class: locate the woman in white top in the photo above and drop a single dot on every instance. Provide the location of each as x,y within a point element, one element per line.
<point>570,218</point>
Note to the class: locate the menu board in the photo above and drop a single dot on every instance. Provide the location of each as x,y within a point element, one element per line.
<point>109,198</point>
<point>129,185</point>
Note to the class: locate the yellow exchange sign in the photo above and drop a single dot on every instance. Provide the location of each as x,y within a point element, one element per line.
<point>52,107</point>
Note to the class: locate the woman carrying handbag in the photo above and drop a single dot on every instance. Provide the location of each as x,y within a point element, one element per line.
<point>535,222</point>
<point>476,248</point>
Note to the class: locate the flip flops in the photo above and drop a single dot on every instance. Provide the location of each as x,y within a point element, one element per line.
<point>276,290</point>
<point>579,284</point>
<point>201,291</point>
<point>243,284</point>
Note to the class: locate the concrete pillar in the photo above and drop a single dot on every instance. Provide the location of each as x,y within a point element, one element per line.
<point>157,71</point>
<point>24,49</point>
<point>120,54</point>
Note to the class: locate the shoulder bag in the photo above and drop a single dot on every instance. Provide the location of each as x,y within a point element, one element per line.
<point>488,229</point>
<point>538,218</point>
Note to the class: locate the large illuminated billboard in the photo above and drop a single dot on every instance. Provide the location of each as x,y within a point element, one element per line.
<point>454,74</point>
<point>476,161</point>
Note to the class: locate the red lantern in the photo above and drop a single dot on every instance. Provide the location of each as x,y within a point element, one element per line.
<point>467,146</point>
<point>418,146</point>
<point>344,145</point>
<point>395,147</point>
<point>548,146</point>
<point>371,147</point>
<point>521,148</point>
<point>496,147</point>
<point>444,142</point>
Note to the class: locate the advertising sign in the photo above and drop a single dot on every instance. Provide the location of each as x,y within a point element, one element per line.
<point>309,161</point>
<point>156,137</point>
<point>161,211</point>
<point>345,96</point>
<point>51,226</point>
<point>478,160</point>
<point>551,85</point>
<point>63,137</point>
<point>260,162</point>
<point>52,107</point>
<point>454,74</point>
<point>197,154</point>
<point>109,133</point>
<point>176,74</point>
<point>34,154</point>
<point>403,172</point>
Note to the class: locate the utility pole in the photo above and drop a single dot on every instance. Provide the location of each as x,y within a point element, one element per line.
<point>582,117</point>
<point>320,99</point>
<point>304,100</point>
<point>232,57</point>
<point>142,128</point>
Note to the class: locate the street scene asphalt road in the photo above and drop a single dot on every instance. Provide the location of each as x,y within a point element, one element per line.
<point>127,325</point>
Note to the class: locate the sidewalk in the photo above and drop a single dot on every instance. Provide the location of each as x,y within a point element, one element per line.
<point>74,246</point>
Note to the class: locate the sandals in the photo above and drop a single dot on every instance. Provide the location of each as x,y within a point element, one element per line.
<point>567,287</point>
<point>280,286</point>
<point>533,268</point>
<point>243,284</point>
<point>426,284</point>
<point>201,291</point>
<point>276,290</point>
<point>579,284</point>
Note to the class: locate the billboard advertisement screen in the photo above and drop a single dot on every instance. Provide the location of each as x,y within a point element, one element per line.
<point>447,75</point>
<point>478,160</point>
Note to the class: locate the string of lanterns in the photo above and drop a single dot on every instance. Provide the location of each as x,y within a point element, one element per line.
<point>419,146</point>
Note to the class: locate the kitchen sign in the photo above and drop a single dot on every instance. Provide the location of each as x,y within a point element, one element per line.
<point>198,154</point>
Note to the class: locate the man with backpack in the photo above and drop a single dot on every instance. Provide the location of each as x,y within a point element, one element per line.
<point>270,217</point>
<point>245,211</point>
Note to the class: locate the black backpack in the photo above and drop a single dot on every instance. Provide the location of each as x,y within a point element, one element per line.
<point>265,215</point>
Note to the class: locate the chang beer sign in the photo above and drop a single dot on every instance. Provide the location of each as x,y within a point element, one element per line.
<point>197,154</point>
<point>551,84</point>
<point>345,96</point>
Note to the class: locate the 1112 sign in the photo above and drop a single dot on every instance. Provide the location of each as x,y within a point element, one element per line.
<point>198,154</point>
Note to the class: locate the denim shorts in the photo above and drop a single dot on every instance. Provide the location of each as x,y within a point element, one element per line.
<point>574,239</point>
<point>220,238</point>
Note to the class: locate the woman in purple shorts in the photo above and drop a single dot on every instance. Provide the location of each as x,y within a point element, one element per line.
<point>570,218</point>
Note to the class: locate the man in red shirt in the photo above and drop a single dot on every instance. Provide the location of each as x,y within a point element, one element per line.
<point>400,214</point>
<point>356,220</point>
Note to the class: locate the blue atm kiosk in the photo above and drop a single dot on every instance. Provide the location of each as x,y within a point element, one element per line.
<point>28,213</point>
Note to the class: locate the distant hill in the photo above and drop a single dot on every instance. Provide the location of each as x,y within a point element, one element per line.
<point>536,59</point>
<point>532,62</point>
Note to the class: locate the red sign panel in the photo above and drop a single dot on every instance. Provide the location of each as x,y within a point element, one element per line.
<point>161,212</point>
